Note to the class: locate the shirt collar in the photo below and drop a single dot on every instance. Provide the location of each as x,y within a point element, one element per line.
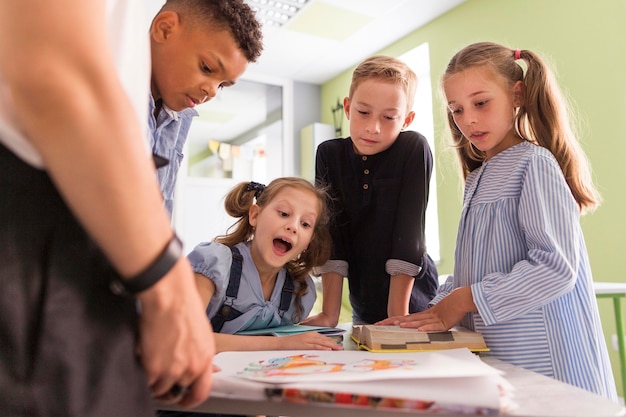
<point>173,113</point>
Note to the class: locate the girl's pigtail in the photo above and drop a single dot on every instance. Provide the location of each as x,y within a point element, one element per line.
<point>544,120</point>
<point>237,204</point>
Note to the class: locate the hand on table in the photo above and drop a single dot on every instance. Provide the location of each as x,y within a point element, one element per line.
<point>322,319</point>
<point>309,340</point>
<point>444,315</point>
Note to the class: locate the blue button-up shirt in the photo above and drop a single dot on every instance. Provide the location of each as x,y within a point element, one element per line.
<point>168,133</point>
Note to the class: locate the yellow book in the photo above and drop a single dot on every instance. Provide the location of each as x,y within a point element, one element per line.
<point>399,339</point>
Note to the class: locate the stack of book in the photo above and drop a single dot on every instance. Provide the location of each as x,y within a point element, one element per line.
<point>399,339</point>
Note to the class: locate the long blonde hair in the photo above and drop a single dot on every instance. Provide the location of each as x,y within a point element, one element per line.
<point>237,204</point>
<point>542,119</point>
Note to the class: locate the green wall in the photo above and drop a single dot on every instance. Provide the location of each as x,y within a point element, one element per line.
<point>585,41</point>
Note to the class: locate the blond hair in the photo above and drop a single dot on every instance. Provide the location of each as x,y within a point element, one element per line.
<point>388,69</point>
<point>542,119</point>
<point>237,204</point>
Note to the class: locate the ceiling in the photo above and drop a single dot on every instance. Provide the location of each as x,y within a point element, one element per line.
<point>329,36</point>
<point>324,39</point>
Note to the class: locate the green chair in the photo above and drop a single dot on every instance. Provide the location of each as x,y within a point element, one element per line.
<point>616,291</point>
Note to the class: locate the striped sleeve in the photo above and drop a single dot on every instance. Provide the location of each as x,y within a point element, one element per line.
<point>548,220</point>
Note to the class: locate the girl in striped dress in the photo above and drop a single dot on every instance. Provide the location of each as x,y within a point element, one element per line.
<point>522,276</point>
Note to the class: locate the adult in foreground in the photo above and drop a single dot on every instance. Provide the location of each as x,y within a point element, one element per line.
<point>80,209</point>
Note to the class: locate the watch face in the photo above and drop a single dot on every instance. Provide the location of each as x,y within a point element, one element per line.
<point>159,161</point>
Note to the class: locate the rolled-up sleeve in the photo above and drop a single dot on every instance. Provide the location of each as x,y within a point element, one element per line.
<point>337,266</point>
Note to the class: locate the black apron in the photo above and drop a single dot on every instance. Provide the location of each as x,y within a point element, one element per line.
<point>67,344</point>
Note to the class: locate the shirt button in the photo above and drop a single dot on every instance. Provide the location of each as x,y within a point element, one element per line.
<point>367,171</point>
<point>365,186</point>
<point>364,158</point>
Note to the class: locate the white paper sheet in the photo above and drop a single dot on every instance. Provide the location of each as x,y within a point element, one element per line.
<point>453,380</point>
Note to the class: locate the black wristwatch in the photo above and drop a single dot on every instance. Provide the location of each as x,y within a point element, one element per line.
<point>153,273</point>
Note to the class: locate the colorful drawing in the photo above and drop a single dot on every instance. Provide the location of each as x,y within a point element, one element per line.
<point>307,364</point>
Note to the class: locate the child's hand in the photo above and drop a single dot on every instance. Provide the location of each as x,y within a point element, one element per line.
<point>322,319</point>
<point>309,340</point>
<point>444,315</point>
<point>427,320</point>
<point>410,320</point>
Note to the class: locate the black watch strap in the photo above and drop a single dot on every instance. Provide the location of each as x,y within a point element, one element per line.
<point>153,273</point>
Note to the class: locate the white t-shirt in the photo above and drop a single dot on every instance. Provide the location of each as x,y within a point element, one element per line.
<point>129,42</point>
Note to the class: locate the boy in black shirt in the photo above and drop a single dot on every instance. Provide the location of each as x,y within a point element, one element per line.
<point>379,180</point>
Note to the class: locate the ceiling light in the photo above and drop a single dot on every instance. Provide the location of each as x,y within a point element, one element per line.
<point>276,13</point>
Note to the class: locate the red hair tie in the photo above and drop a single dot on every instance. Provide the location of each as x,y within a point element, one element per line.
<point>518,54</point>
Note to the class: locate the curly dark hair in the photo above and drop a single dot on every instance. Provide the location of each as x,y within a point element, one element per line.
<point>235,16</point>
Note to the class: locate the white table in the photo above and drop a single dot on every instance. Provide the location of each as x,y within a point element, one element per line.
<point>536,396</point>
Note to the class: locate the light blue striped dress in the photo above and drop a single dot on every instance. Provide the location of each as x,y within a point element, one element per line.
<point>521,249</point>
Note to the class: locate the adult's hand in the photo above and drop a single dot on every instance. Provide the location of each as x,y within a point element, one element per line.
<point>176,344</point>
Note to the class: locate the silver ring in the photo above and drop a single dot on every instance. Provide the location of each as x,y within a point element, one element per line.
<point>178,391</point>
